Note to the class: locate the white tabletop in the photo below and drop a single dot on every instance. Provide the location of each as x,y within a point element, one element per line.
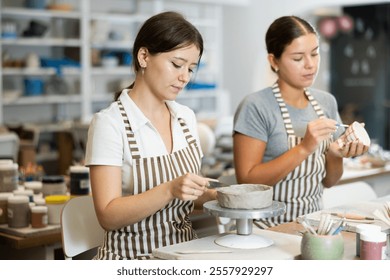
<point>284,247</point>
<point>363,208</point>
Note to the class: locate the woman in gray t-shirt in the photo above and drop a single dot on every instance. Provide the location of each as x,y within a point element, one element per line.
<point>284,135</point>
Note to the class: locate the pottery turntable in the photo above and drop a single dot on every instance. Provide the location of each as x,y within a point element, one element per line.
<point>244,214</point>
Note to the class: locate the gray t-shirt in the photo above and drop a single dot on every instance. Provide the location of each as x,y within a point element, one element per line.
<point>259,116</point>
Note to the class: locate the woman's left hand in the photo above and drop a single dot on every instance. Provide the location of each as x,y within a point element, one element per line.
<point>352,149</point>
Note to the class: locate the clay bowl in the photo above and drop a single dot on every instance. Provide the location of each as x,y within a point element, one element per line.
<point>245,196</point>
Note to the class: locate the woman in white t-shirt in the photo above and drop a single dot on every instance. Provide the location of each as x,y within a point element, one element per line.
<point>143,150</point>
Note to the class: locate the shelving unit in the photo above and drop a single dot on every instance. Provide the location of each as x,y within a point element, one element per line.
<point>90,86</point>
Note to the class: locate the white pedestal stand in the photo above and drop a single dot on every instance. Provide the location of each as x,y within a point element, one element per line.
<point>244,239</point>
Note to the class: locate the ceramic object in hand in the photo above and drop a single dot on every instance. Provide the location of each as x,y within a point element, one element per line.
<point>355,131</point>
<point>245,196</point>
<point>322,247</point>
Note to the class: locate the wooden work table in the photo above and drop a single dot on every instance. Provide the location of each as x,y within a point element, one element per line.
<point>18,242</point>
<point>40,245</point>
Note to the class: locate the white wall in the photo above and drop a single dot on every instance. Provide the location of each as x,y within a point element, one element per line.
<point>246,68</point>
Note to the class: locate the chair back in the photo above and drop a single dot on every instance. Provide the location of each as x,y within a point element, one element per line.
<point>347,193</point>
<point>80,228</point>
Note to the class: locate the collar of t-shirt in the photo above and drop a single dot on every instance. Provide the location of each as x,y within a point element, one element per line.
<point>137,117</point>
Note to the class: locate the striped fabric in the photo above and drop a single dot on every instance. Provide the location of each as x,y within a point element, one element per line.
<point>302,189</point>
<point>167,226</point>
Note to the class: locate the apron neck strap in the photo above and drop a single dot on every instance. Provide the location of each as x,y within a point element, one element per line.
<point>283,108</point>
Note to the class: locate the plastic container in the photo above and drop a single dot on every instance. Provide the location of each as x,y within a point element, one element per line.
<point>36,4</point>
<point>28,193</point>
<point>53,185</point>
<point>3,207</point>
<point>79,180</point>
<point>35,186</point>
<point>33,87</point>
<point>364,227</point>
<point>18,211</point>
<point>372,245</point>
<point>40,201</point>
<point>55,203</point>
<point>39,217</point>
<point>9,176</point>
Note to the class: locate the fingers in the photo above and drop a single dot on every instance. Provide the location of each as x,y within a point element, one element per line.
<point>189,186</point>
<point>322,128</point>
<point>318,131</point>
<point>354,149</point>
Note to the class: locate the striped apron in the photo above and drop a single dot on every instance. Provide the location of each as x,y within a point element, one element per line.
<point>168,225</point>
<point>301,190</point>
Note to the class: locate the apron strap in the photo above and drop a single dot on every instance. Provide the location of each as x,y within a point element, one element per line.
<point>283,108</point>
<point>129,133</point>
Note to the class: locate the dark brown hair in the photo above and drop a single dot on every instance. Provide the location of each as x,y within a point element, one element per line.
<point>165,32</point>
<point>283,31</point>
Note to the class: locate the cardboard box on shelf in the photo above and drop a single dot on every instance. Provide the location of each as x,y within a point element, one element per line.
<point>27,153</point>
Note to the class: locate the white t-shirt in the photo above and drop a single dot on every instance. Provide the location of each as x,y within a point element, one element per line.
<point>107,141</point>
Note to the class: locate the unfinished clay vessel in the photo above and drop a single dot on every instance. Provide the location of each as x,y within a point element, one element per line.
<point>245,196</point>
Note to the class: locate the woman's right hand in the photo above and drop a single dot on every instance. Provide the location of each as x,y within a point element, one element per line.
<point>188,187</point>
<point>316,132</point>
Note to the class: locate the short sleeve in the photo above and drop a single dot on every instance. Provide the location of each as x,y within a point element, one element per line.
<point>249,119</point>
<point>105,142</point>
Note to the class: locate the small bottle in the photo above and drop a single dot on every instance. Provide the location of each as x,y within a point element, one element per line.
<point>9,176</point>
<point>79,180</point>
<point>53,185</point>
<point>3,206</point>
<point>55,203</point>
<point>18,211</point>
<point>28,193</point>
<point>39,216</point>
<point>35,186</point>
<point>372,245</point>
<point>364,227</point>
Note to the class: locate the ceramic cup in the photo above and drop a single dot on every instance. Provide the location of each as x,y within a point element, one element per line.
<point>355,131</point>
<point>322,247</point>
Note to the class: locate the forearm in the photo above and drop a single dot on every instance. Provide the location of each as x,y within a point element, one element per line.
<point>128,210</point>
<point>272,172</point>
<point>334,169</point>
